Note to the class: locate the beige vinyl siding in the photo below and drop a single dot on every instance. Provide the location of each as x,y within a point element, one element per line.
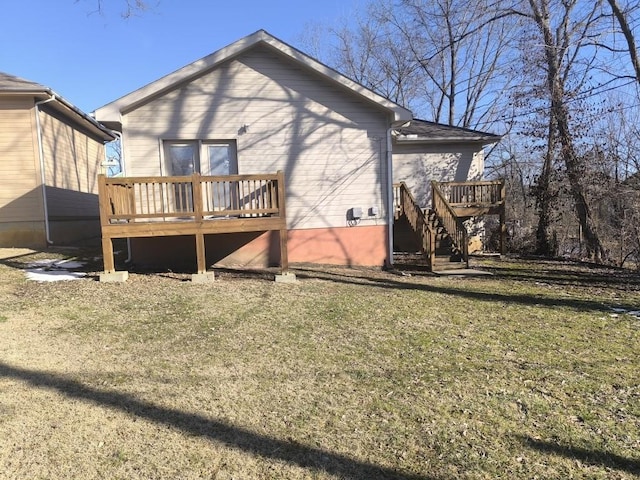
<point>330,143</point>
<point>417,164</point>
<point>20,197</point>
<point>72,164</point>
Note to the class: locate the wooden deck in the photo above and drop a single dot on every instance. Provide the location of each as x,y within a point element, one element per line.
<point>193,205</point>
<point>472,199</point>
<point>452,203</point>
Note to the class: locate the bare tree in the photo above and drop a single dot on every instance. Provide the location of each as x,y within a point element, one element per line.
<point>368,51</point>
<point>539,69</point>
<point>456,75</point>
<point>564,32</point>
<point>128,8</point>
<point>462,56</point>
<point>622,17</point>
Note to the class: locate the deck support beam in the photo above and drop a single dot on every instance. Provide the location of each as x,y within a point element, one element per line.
<point>284,253</point>
<point>107,255</point>
<point>201,258</point>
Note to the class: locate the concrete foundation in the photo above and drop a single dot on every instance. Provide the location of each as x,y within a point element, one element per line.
<point>287,277</point>
<point>206,277</point>
<point>120,276</point>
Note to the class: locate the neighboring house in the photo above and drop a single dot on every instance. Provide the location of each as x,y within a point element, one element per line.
<point>50,159</point>
<point>259,106</point>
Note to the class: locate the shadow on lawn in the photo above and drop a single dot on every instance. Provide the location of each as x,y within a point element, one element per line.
<point>566,273</point>
<point>463,292</point>
<point>591,457</point>
<point>193,424</point>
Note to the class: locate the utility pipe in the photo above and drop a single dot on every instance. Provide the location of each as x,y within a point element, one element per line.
<point>42,168</point>
<point>390,206</point>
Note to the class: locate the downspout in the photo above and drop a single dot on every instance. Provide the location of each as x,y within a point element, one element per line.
<point>390,206</point>
<point>42,168</point>
<point>120,137</point>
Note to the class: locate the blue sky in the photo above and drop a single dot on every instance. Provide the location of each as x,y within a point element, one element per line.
<point>92,59</point>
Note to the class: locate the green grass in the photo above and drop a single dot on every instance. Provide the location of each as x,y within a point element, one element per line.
<point>346,374</point>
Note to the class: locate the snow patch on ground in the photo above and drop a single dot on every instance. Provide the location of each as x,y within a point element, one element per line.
<point>618,310</point>
<point>53,270</point>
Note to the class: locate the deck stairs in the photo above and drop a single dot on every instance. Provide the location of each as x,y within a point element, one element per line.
<point>436,238</point>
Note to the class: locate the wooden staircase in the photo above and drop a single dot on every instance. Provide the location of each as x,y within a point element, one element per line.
<point>436,238</point>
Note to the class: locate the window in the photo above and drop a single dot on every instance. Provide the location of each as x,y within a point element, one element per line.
<point>183,157</point>
<point>209,158</point>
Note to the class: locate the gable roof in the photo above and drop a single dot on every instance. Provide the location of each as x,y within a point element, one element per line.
<point>422,131</point>
<point>12,85</point>
<point>111,112</point>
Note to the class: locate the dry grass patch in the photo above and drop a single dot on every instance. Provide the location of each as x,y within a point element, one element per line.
<point>347,374</point>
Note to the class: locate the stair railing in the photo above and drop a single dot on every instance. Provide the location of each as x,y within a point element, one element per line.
<point>407,205</point>
<point>451,222</point>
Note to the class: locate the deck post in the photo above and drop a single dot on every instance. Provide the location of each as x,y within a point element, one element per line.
<point>284,254</point>
<point>109,274</point>
<point>107,255</point>
<point>285,276</point>
<point>107,242</point>
<point>196,189</point>
<point>432,249</point>
<point>200,253</point>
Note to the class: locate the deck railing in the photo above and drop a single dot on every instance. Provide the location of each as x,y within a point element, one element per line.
<point>405,204</point>
<point>485,193</point>
<point>135,199</point>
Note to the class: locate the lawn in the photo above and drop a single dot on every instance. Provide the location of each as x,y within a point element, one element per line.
<point>533,372</point>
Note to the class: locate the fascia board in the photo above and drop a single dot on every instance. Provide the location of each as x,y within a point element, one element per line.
<point>483,140</point>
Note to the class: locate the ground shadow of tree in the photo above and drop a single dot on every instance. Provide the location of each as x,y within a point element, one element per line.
<point>566,273</point>
<point>289,451</point>
<point>466,291</point>
<point>592,457</point>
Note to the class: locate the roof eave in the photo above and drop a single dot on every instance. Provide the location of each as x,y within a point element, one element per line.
<point>68,109</point>
<point>485,140</point>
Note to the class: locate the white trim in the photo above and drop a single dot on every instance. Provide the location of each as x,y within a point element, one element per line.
<point>457,140</point>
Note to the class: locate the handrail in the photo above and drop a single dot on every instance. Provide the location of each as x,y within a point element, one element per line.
<point>451,222</point>
<point>405,203</point>
<point>483,193</point>
<point>194,197</point>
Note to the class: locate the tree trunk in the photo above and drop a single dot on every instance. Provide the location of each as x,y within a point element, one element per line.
<point>595,250</point>
<point>554,51</point>
<point>544,198</point>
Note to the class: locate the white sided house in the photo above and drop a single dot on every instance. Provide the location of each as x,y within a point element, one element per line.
<point>257,107</point>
